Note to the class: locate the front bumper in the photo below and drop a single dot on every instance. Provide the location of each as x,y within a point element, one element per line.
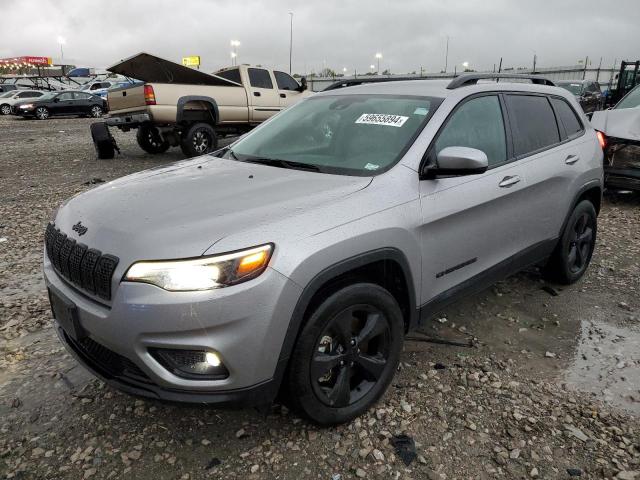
<point>246,324</point>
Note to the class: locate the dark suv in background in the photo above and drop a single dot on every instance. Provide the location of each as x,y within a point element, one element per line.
<point>587,92</point>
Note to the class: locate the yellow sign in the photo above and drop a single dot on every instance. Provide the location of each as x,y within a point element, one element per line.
<point>193,61</point>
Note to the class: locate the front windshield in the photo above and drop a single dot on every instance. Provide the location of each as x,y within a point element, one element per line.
<point>343,134</point>
<point>632,100</point>
<point>575,88</point>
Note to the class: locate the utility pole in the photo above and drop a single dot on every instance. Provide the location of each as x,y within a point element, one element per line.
<point>290,40</point>
<point>599,67</point>
<point>535,57</point>
<point>500,66</point>
<point>446,55</point>
<point>584,72</point>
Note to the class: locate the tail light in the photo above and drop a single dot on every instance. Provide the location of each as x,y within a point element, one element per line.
<point>149,95</point>
<point>602,139</point>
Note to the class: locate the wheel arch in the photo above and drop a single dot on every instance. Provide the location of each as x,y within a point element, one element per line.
<point>387,267</point>
<point>591,191</point>
<point>211,104</point>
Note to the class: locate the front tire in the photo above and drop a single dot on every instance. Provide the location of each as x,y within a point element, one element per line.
<point>5,109</point>
<point>346,355</point>
<point>572,256</point>
<point>199,139</point>
<point>42,113</point>
<point>150,140</point>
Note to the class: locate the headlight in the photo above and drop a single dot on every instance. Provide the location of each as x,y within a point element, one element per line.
<point>203,273</point>
<point>27,105</point>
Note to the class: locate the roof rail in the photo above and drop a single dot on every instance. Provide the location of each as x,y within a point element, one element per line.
<point>472,78</point>
<point>352,82</point>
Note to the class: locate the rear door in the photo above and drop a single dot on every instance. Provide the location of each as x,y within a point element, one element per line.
<point>263,97</point>
<point>548,165</point>
<point>83,103</point>
<point>287,86</point>
<point>471,223</point>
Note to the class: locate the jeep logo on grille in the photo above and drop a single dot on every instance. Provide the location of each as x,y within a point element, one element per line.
<point>81,229</point>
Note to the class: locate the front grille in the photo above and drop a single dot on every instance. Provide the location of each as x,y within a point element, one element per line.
<point>88,268</point>
<point>105,361</point>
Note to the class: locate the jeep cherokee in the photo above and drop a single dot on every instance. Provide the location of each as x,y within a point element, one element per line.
<point>295,260</point>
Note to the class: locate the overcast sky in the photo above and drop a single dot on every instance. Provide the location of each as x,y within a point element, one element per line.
<point>337,33</point>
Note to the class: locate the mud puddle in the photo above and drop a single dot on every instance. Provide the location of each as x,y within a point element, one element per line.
<point>607,364</point>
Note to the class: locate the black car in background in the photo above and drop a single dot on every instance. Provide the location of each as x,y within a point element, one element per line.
<point>62,104</point>
<point>587,92</point>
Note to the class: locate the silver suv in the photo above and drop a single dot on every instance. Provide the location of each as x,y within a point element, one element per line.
<point>294,261</point>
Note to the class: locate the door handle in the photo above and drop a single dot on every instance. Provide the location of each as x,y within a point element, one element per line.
<point>282,95</point>
<point>571,159</point>
<point>509,181</point>
<point>256,94</point>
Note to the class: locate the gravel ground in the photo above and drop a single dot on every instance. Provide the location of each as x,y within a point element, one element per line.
<point>549,388</point>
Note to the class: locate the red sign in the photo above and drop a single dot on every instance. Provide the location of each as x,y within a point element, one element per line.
<point>27,60</point>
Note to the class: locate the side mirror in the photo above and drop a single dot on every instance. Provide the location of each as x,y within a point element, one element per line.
<point>303,85</point>
<point>458,161</point>
<point>56,100</point>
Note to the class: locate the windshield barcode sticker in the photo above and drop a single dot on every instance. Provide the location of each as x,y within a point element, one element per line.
<point>382,119</point>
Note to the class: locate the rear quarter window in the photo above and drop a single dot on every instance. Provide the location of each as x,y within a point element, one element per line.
<point>533,123</point>
<point>567,117</point>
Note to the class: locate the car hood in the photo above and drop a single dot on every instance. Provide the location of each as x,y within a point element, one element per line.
<point>179,211</point>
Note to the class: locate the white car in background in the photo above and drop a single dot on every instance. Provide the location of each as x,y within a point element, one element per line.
<point>9,99</point>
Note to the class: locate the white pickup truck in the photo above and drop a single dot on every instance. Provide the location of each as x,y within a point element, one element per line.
<point>180,106</point>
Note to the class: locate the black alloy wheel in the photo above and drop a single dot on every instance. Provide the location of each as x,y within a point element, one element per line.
<point>572,255</point>
<point>199,139</point>
<point>346,355</point>
<point>581,245</point>
<point>351,355</point>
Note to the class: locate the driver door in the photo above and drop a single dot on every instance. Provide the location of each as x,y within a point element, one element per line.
<point>287,89</point>
<point>63,104</point>
<point>470,224</point>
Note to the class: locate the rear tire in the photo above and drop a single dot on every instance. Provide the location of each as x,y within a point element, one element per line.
<point>102,141</point>
<point>346,355</point>
<point>199,139</point>
<point>5,109</point>
<point>150,140</point>
<point>42,113</point>
<point>572,255</point>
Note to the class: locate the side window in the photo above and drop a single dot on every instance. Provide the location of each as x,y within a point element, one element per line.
<point>63,97</point>
<point>260,78</point>
<point>567,117</point>
<point>37,94</point>
<point>233,75</point>
<point>478,123</point>
<point>533,123</point>
<point>83,96</point>
<point>26,95</point>
<point>285,81</point>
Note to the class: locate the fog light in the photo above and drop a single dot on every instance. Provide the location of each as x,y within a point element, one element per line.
<point>212,359</point>
<point>191,364</point>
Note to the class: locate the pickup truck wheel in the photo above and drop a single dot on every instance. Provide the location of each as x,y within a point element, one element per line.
<point>200,139</point>
<point>346,355</point>
<point>150,140</point>
<point>102,141</point>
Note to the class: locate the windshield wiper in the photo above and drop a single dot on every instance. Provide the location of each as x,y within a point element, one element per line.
<point>276,162</point>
